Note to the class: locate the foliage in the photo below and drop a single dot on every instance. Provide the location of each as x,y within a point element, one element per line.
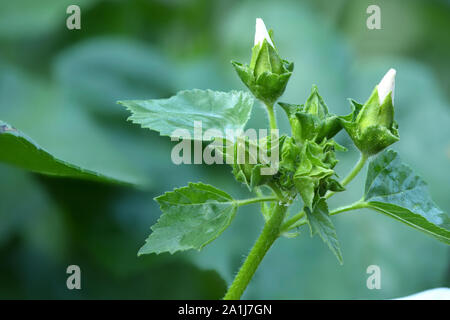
<point>197,214</point>
<point>60,87</point>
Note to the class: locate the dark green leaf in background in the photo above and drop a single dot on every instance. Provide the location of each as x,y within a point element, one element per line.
<point>19,150</point>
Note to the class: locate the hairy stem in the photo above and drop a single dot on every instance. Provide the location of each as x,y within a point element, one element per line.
<point>275,190</point>
<point>264,207</point>
<point>356,205</point>
<point>356,169</point>
<point>269,234</point>
<point>255,200</point>
<point>292,222</point>
<point>272,118</point>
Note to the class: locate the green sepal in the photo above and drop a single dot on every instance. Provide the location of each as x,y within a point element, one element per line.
<point>249,172</point>
<point>267,75</point>
<point>314,170</point>
<point>312,121</point>
<point>371,126</point>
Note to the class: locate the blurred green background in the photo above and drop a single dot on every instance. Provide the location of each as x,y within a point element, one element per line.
<point>60,86</point>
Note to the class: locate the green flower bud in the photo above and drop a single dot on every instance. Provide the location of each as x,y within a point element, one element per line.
<point>290,157</point>
<point>249,159</point>
<point>314,172</point>
<point>371,126</point>
<point>312,121</point>
<point>268,74</point>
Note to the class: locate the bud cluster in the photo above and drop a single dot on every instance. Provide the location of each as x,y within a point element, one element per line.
<point>307,158</point>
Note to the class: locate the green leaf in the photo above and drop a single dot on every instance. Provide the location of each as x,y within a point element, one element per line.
<point>216,110</point>
<point>193,216</point>
<point>19,150</point>
<point>320,222</point>
<point>392,188</point>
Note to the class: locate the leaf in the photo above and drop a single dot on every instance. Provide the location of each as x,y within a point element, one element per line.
<point>216,110</point>
<point>42,111</point>
<point>193,216</point>
<point>320,222</point>
<point>19,150</point>
<point>394,189</point>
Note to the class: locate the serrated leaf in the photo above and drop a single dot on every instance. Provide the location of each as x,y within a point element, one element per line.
<point>320,223</point>
<point>394,189</point>
<point>216,110</point>
<point>193,216</point>
<point>19,150</point>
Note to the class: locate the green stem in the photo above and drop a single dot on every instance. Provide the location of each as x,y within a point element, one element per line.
<point>264,208</point>
<point>292,222</point>
<point>289,223</point>
<point>269,234</point>
<point>275,189</point>
<point>255,200</point>
<point>356,205</point>
<point>356,169</point>
<point>272,118</point>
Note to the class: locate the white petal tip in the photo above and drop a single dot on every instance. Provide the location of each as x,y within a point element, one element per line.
<point>261,33</point>
<point>387,85</point>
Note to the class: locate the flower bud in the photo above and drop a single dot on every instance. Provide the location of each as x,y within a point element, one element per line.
<point>371,126</point>
<point>311,121</point>
<point>251,157</point>
<point>314,173</point>
<point>268,74</point>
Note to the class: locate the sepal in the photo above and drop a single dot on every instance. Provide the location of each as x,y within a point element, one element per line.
<point>371,126</point>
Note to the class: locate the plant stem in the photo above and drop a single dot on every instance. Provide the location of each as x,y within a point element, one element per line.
<point>287,225</point>
<point>276,190</point>
<point>356,169</point>
<point>255,200</point>
<point>269,234</point>
<point>291,223</point>
<point>272,118</point>
<point>264,207</point>
<point>356,205</point>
